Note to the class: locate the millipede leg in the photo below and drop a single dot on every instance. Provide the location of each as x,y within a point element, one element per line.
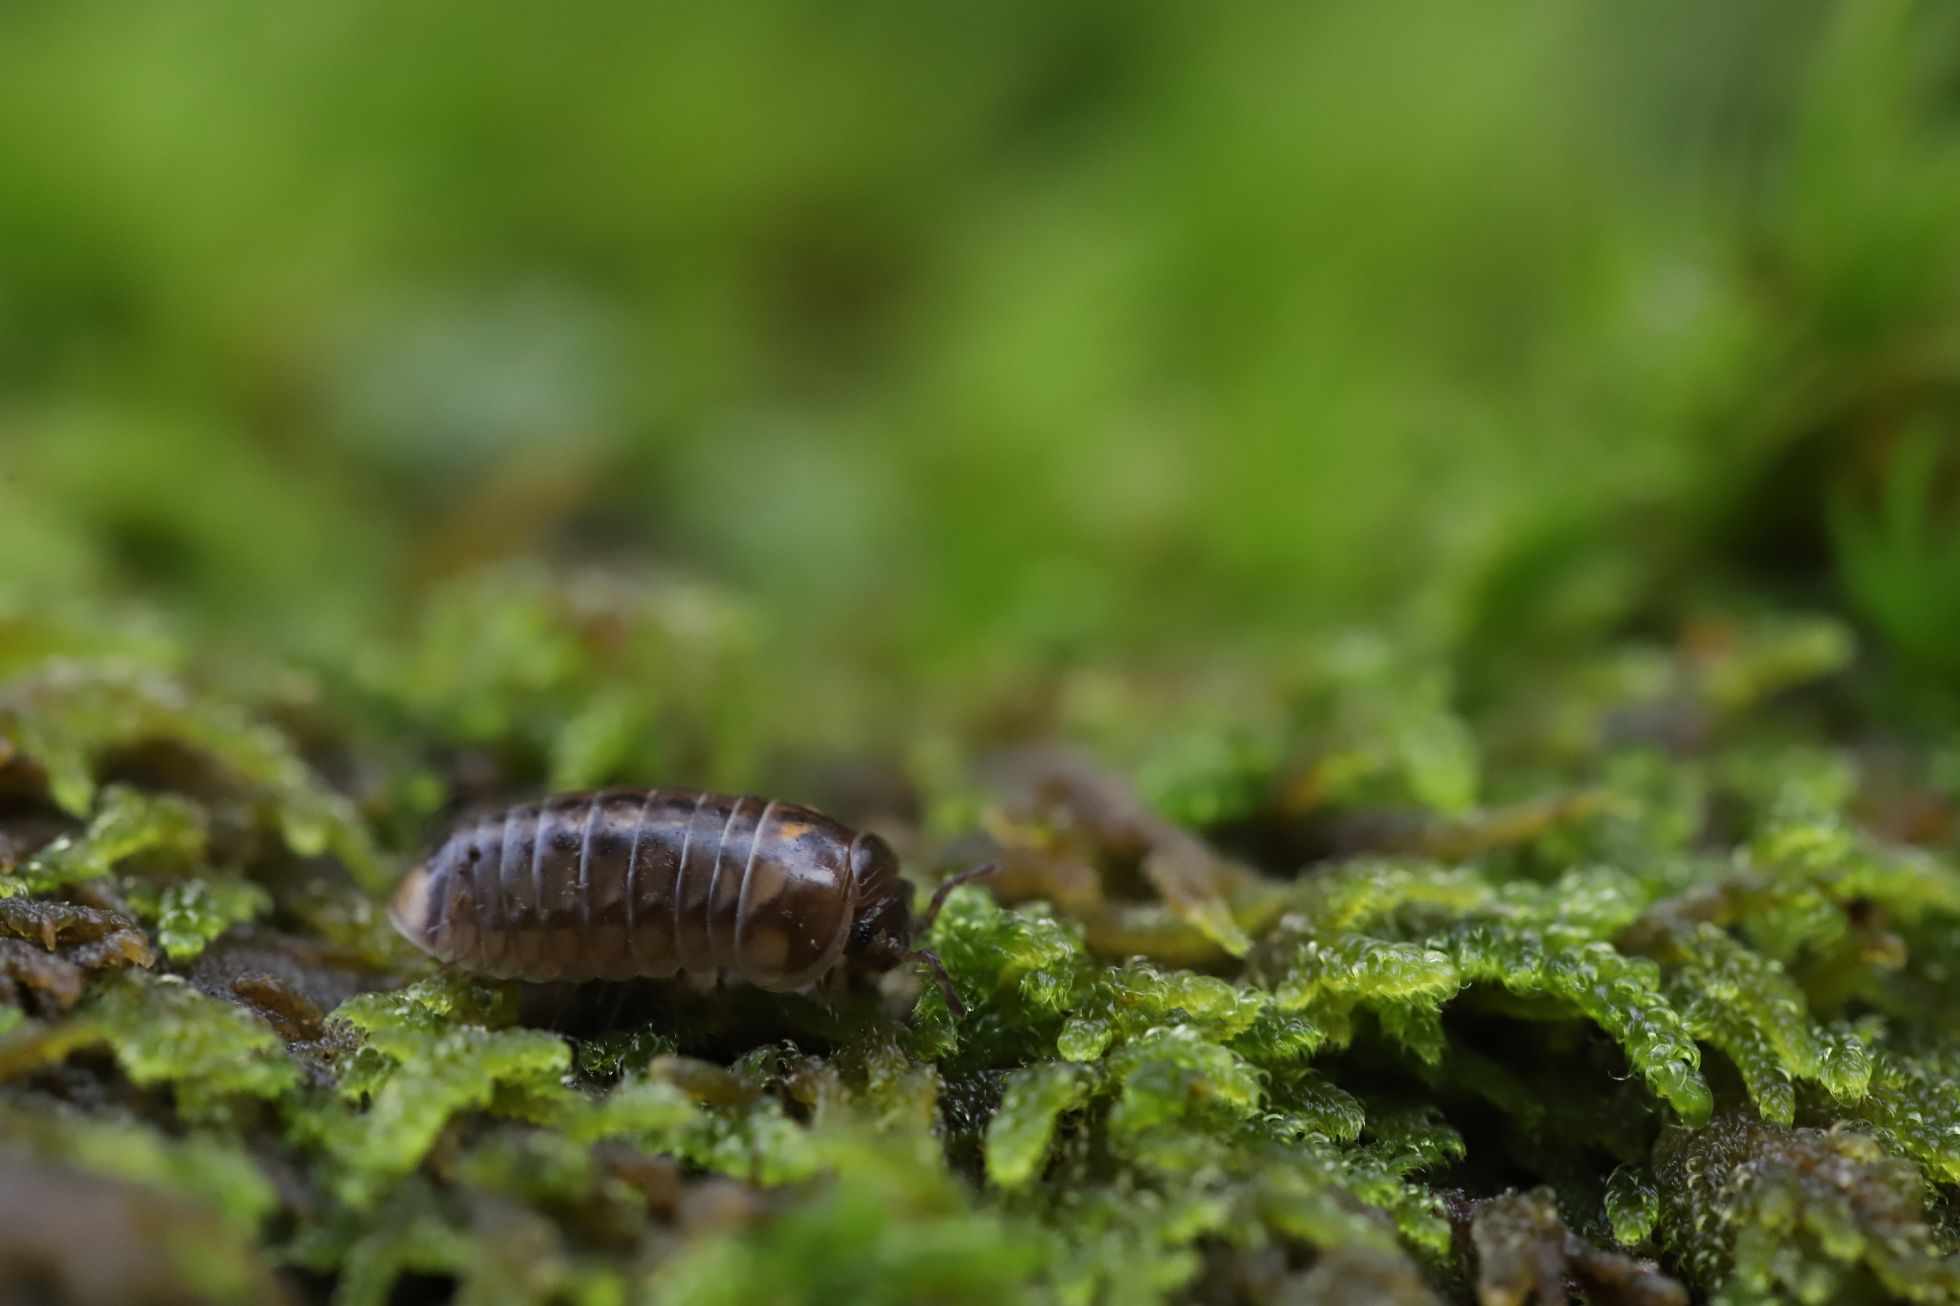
<point>953,1003</point>
<point>620,994</point>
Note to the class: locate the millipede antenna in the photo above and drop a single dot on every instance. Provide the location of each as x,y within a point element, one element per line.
<point>946,886</point>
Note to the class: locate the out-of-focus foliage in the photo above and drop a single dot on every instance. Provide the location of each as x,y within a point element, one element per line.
<point>979,334</point>
<point>1423,546</point>
<point>1902,557</point>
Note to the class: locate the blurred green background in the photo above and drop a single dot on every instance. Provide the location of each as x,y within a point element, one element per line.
<point>955,335</point>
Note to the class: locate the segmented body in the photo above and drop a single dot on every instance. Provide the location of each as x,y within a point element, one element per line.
<point>648,883</point>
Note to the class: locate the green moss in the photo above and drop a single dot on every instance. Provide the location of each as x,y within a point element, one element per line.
<point>1760,1214</point>
<point>1022,1127</point>
<point>208,1166</point>
<point>126,824</point>
<point>1914,1102</point>
<point>188,916</point>
<point>889,1228</point>
<point>619,1053</point>
<point>211,1055</point>
<point>581,681</point>
<point>1725,953</point>
<point>413,1232</point>
<point>68,716</point>
<point>417,1070</point>
<point>1524,1253</point>
<point>1744,1005</point>
<point>1633,1204</point>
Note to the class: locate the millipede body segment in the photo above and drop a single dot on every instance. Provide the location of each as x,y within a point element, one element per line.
<point>626,884</point>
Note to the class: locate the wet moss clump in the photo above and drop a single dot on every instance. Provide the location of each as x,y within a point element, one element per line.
<point>1332,993</point>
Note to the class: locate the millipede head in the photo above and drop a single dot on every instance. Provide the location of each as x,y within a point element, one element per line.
<point>409,909</point>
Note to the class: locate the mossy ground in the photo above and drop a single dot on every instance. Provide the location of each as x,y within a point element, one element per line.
<point>1648,996</point>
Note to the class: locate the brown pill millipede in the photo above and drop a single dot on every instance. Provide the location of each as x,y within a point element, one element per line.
<point>631,884</point>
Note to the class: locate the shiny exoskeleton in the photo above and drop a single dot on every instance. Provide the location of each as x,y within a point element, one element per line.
<point>651,883</point>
